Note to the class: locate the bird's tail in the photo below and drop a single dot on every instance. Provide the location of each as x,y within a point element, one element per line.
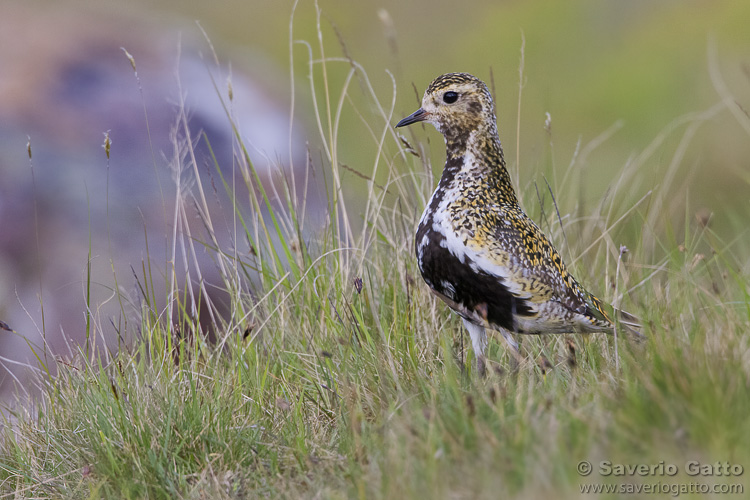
<point>629,323</point>
<point>608,316</point>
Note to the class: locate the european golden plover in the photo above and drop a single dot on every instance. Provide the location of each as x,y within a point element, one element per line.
<point>476,248</point>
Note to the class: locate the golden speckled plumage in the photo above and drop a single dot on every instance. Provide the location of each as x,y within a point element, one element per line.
<point>475,246</point>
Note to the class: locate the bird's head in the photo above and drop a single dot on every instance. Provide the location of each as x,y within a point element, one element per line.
<point>457,104</point>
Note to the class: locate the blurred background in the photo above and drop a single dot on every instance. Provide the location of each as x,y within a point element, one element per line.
<point>603,82</point>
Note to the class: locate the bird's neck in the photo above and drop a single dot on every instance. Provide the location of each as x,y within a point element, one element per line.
<point>480,155</point>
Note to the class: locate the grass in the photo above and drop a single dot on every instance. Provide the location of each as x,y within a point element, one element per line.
<point>337,375</point>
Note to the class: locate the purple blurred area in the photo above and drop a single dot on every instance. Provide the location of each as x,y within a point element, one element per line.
<point>65,82</point>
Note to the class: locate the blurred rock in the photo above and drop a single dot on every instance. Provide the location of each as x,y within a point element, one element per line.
<point>65,82</point>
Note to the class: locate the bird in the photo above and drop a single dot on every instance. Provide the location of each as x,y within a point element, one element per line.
<point>477,249</point>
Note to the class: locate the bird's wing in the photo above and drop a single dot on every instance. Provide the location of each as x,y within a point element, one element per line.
<point>512,247</point>
<point>534,271</point>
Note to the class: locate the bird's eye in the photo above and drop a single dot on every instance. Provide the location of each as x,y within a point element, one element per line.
<point>450,97</point>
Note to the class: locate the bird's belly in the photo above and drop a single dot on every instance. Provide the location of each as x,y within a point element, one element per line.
<point>449,268</point>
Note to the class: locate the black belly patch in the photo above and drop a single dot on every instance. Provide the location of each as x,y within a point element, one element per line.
<point>476,291</point>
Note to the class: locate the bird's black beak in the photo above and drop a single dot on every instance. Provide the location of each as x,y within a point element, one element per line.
<point>419,115</point>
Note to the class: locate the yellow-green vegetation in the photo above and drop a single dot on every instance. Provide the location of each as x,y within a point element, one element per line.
<point>338,375</point>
